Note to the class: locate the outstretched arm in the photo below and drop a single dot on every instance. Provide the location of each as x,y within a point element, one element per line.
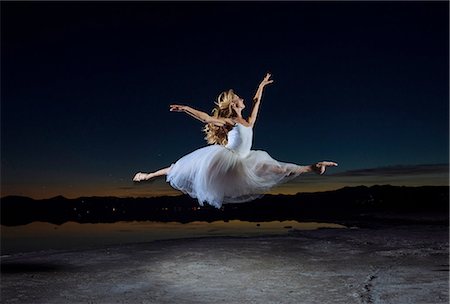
<point>257,98</point>
<point>202,116</point>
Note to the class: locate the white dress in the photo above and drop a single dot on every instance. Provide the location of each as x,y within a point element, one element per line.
<point>233,173</point>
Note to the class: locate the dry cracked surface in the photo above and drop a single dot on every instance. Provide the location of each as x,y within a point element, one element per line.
<point>406,264</point>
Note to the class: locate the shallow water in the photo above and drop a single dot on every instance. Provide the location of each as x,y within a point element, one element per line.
<point>39,236</point>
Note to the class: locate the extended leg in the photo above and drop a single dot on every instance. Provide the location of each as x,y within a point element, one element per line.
<point>146,176</point>
<point>286,169</point>
<point>318,168</point>
<point>293,169</point>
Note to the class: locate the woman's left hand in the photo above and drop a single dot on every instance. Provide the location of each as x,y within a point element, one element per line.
<point>266,80</point>
<point>320,167</point>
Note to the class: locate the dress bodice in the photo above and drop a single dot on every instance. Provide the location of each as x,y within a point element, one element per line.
<point>240,139</point>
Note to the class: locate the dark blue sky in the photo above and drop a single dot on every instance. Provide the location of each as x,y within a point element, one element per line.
<point>86,87</point>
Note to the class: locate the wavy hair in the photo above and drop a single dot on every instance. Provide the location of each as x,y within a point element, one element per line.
<point>218,134</point>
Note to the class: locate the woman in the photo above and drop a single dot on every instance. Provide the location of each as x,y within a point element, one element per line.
<point>228,171</point>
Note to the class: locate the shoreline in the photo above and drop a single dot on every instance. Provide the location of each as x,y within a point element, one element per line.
<point>39,236</point>
<point>42,236</point>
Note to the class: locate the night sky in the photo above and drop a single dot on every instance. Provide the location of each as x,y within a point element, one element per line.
<point>86,88</point>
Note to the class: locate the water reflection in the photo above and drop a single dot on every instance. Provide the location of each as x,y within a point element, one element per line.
<point>69,236</point>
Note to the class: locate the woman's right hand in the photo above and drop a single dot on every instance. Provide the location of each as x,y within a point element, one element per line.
<point>177,108</point>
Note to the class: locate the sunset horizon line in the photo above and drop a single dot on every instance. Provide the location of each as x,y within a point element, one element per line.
<point>414,175</point>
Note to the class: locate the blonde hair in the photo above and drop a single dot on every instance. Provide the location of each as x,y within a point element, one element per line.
<point>216,134</point>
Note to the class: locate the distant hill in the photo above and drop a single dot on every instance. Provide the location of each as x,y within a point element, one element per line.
<point>387,203</point>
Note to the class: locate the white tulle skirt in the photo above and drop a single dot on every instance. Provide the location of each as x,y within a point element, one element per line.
<point>216,175</point>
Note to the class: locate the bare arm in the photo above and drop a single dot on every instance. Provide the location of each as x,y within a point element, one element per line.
<point>202,116</point>
<point>257,98</point>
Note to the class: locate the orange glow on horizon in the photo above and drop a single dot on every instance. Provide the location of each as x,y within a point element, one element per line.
<point>160,188</point>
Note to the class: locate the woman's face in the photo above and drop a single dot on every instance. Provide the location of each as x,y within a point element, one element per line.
<point>239,102</point>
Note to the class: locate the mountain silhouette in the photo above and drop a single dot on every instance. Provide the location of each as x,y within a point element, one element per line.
<point>346,205</point>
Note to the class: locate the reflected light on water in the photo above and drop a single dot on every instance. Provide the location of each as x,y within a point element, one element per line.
<point>45,236</point>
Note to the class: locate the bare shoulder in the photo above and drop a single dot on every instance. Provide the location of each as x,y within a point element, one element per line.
<point>243,122</point>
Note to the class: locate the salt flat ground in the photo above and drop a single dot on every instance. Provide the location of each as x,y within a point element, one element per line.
<point>403,264</point>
